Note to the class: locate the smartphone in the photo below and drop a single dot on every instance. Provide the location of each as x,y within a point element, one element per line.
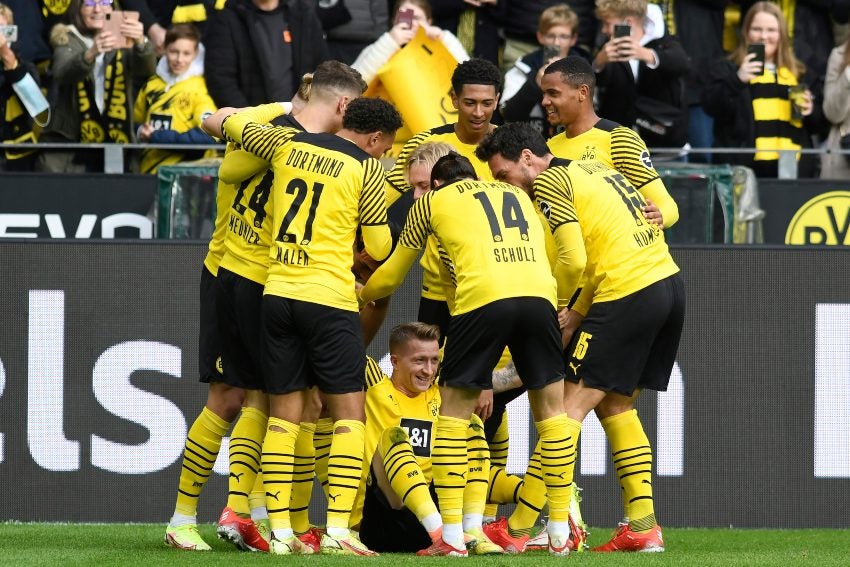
<point>405,17</point>
<point>113,23</point>
<point>550,52</point>
<point>10,32</point>
<point>622,30</point>
<point>758,49</point>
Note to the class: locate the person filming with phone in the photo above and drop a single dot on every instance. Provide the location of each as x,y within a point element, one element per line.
<point>759,98</point>
<point>95,60</point>
<point>640,73</point>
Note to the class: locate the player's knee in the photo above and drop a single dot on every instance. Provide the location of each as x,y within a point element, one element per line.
<point>225,401</point>
<point>393,435</point>
<point>611,406</point>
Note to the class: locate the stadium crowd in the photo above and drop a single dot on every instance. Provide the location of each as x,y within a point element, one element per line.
<point>682,73</point>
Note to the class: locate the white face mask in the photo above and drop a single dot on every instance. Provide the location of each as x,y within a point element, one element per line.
<point>30,94</point>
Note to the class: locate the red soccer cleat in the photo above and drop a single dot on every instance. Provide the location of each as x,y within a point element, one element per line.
<point>625,539</point>
<point>498,533</point>
<point>441,548</point>
<point>241,532</point>
<point>312,539</point>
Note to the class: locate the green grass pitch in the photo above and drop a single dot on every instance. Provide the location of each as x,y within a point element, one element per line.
<point>141,545</point>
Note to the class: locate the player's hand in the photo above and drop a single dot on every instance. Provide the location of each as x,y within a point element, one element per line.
<point>569,320</point>
<point>484,408</point>
<point>652,213</point>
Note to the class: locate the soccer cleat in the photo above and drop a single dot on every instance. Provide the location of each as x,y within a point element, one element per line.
<point>539,542</point>
<point>291,546</point>
<point>264,529</point>
<point>478,543</point>
<point>185,537</point>
<point>312,539</point>
<point>578,529</point>
<point>559,545</point>
<point>625,539</point>
<point>498,533</point>
<point>346,545</point>
<point>441,548</point>
<point>241,532</point>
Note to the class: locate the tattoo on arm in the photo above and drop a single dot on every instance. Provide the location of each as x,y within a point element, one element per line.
<point>506,378</point>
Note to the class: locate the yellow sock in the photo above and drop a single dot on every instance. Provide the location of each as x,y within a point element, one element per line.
<point>404,473</point>
<point>302,481</point>
<point>633,463</point>
<point>199,455</point>
<point>246,443</point>
<point>498,464</point>
<point>558,443</point>
<point>478,476</point>
<point>345,469</point>
<point>449,465</point>
<point>257,498</point>
<point>531,498</point>
<point>278,459</point>
<point>322,443</point>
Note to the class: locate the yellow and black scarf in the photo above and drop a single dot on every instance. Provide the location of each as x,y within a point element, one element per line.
<point>19,128</point>
<point>113,125</point>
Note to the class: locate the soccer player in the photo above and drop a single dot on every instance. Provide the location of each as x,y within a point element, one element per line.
<point>505,296</point>
<point>241,277</point>
<point>568,87</point>
<point>623,332</point>
<point>324,187</point>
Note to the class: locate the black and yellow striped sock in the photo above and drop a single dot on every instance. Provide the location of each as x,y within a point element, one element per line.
<point>478,476</point>
<point>345,470</point>
<point>246,444</point>
<point>404,473</point>
<point>497,493</point>
<point>302,478</point>
<point>558,444</point>
<point>449,462</point>
<point>633,462</point>
<point>322,443</point>
<point>199,455</point>
<point>278,460</point>
<point>531,498</point>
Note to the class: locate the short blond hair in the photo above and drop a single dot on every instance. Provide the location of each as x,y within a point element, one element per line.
<point>620,9</point>
<point>7,12</point>
<point>428,154</point>
<point>557,15</point>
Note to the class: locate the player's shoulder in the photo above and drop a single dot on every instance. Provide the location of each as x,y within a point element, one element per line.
<point>332,144</point>
<point>605,125</point>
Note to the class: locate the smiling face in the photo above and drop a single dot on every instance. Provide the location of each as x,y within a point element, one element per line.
<point>415,366</point>
<point>94,15</point>
<point>764,28</point>
<point>562,101</point>
<point>475,105</point>
<point>180,53</point>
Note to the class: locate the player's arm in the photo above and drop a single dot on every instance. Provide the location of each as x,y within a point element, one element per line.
<point>396,180</point>
<point>239,165</point>
<point>377,238</point>
<point>506,378</point>
<point>631,158</point>
<point>213,124</point>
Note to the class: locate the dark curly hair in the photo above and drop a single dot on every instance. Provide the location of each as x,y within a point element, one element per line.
<point>509,140</point>
<point>476,71</point>
<point>364,115</point>
<point>452,167</point>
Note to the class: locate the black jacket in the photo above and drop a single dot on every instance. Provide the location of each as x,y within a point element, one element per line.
<point>523,17</point>
<point>236,68</point>
<point>488,20</point>
<point>619,92</point>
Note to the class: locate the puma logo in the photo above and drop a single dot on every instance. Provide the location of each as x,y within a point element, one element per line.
<point>460,474</point>
<point>575,368</point>
<point>559,475</point>
<point>647,482</point>
<point>332,497</point>
<point>273,495</point>
<point>196,484</point>
<point>236,476</point>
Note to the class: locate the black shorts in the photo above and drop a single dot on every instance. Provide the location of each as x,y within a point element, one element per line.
<point>630,343</point>
<point>239,307</point>
<point>306,344</point>
<point>209,341</point>
<point>435,312</point>
<point>528,326</point>
<point>386,530</point>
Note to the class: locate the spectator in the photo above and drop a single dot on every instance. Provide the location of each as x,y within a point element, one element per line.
<point>373,57</point>
<point>751,102</point>
<point>368,19</point>
<point>641,74</point>
<point>92,85</point>
<point>174,102</point>
<point>521,27</point>
<point>17,125</point>
<point>166,13</point>
<point>476,23</point>
<point>836,107</point>
<point>32,41</point>
<point>557,34</point>
<point>260,49</point>
<point>698,25</point>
